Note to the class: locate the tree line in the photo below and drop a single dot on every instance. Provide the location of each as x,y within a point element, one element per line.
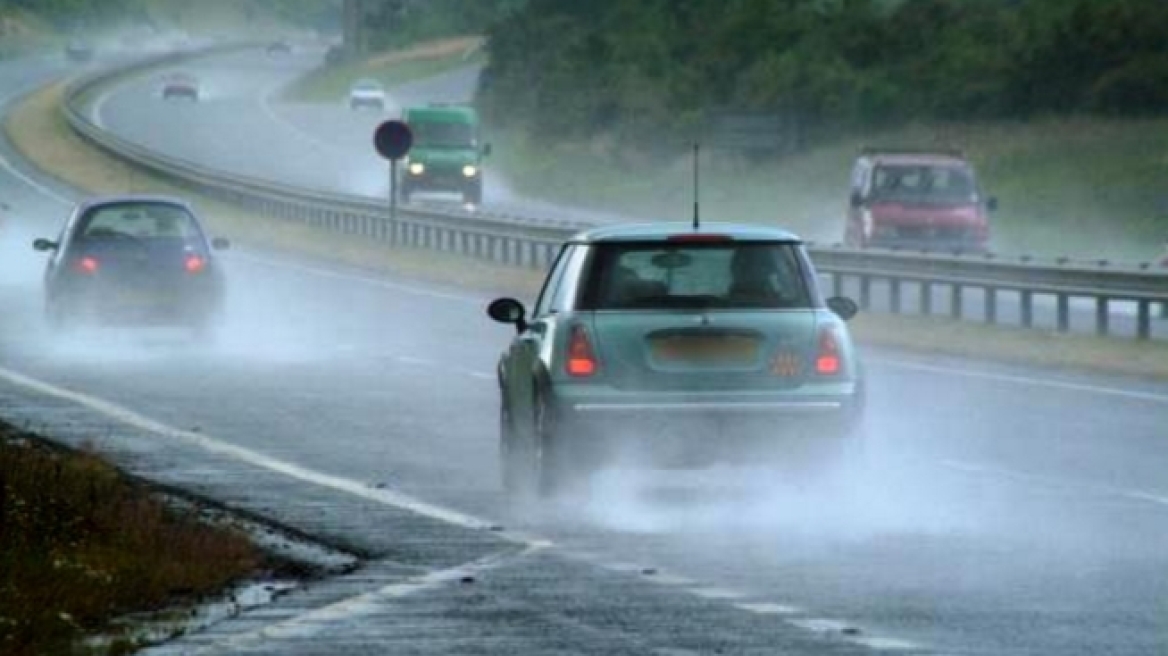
<point>654,71</point>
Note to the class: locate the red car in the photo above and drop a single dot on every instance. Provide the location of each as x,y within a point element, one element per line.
<point>928,200</point>
<point>181,85</point>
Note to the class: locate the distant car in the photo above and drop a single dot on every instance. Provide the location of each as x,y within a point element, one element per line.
<point>367,93</point>
<point>181,86</point>
<point>79,51</point>
<point>279,48</point>
<point>917,199</point>
<point>679,345</point>
<point>133,260</point>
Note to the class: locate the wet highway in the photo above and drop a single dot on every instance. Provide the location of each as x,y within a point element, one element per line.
<point>1006,510</point>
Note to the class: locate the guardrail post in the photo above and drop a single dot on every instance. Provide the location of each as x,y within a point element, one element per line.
<point>865,291</point>
<point>926,298</point>
<point>837,284</point>
<point>1064,313</point>
<point>1102,316</point>
<point>956,301</point>
<point>991,305</point>
<point>1027,308</point>
<point>894,295</point>
<point>1144,320</point>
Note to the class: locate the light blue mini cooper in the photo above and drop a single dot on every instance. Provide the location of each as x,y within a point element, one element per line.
<point>671,344</point>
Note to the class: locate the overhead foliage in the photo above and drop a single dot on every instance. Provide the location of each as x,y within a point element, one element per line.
<point>641,70</point>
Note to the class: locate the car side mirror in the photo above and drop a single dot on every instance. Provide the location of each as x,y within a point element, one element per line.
<point>508,310</point>
<point>44,245</point>
<point>845,308</point>
<point>856,199</point>
<point>487,150</point>
<point>992,204</point>
<point>220,243</point>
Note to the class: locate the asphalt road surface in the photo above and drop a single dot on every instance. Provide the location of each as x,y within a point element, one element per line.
<point>1005,511</point>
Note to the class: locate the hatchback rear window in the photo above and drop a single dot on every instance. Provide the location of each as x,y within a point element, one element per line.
<point>663,276</point>
<point>139,221</point>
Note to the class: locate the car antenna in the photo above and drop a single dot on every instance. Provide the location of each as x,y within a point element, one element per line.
<point>697,219</point>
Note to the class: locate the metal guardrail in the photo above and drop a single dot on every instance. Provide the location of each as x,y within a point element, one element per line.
<point>533,243</point>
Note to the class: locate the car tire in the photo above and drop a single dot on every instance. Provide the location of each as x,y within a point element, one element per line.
<point>59,321</point>
<point>533,462</point>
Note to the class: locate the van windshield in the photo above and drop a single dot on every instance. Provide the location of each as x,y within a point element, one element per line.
<point>924,184</point>
<point>444,135</point>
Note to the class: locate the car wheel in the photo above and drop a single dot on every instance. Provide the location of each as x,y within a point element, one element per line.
<point>57,318</point>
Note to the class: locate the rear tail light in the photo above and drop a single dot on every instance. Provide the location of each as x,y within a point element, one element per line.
<point>195,264</point>
<point>87,265</point>
<point>581,361</point>
<point>828,360</point>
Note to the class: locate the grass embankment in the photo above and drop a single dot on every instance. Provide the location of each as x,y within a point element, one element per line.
<point>1088,188</point>
<point>80,545</point>
<point>331,83</point>
<point>43,137</point>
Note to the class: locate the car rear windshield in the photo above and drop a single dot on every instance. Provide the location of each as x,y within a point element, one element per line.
<point>664,276</point>
<point>139,221</point>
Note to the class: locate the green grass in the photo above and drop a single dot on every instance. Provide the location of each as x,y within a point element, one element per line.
<point>81,544</point>
<point>1086,187</point>
<point>331,83</point>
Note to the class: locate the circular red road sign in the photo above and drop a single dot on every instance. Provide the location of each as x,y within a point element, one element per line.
<point>393,139</point>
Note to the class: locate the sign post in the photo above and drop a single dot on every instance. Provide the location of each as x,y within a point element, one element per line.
<point>393,140</point>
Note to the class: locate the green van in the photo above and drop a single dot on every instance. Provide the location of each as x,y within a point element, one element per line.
<point>447,155</point>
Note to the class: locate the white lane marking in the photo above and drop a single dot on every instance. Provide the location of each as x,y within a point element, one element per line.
<point>821,625</point>
<point>265,102</point>
<point>1028,381</point>
<point>382,283</point>
<point>768,609</point>
<point>1023,477</point>
<point>42,189</point>
<point>716,594</point>
<point>313,622</point>
<point>219,447</point>
<point>878,643</point>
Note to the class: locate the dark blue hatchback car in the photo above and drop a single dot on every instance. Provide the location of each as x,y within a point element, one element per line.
<point>133,260</point>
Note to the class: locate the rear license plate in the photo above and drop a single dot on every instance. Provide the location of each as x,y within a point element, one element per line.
<point>722,350</point>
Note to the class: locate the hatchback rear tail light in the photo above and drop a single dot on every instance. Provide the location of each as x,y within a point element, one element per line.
<point>87,265</point>
<point>828,361</point>
<point>195,264</point>
<point>581,361</point>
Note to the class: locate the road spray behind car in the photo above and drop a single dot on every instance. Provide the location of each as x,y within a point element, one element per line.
<point>447,155</point>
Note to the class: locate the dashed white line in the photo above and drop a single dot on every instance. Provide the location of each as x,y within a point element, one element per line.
<point>1024,477</point>
<point>768,608</point>
<point>1028,381</point>
<point>365,280</point>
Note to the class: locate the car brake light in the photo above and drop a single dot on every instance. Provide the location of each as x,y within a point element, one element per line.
<point>195,264</point>
<point>699,238</point>
<point>88,265</point>
<point>581,361</point>
<point>827,360</point>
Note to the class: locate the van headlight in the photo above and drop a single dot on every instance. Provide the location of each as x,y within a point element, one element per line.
<point>470,171</point>
<point>417,168</point>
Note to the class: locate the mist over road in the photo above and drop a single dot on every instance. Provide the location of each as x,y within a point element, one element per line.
<point>1006,510</point>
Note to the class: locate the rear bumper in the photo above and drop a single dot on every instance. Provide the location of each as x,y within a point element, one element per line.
<point>603,413</point>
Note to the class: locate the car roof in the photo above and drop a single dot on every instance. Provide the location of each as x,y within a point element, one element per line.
<point>938,158</point>
<point>443,113</point>
<point>99,201</point>
<point>665,231</point>
<point>367,82</point>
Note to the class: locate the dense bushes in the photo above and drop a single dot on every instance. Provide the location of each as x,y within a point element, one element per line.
<point>640,71</point>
